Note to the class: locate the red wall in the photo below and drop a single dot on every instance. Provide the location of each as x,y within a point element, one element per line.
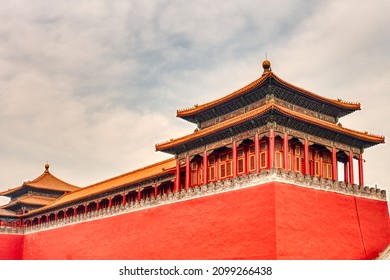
<point>314,224</point>
<point>232,225</point>
<point>11,246</point>
<point>270,221</point>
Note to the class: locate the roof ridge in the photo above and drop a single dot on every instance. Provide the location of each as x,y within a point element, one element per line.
<point>204,106</point>
<point>198,108</point>
<point>329,100</point>
<point>47,173</point>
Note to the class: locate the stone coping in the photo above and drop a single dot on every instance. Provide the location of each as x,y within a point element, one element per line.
<point>240,182</point>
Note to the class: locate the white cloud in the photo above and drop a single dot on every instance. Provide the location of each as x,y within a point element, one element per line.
<point>91,87</point>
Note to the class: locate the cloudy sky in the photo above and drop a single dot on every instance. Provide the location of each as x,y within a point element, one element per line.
<point>92,86</point>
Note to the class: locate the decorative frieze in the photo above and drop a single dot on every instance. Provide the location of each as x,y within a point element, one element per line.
<point>232,114</point>
<point>319,140</point>
<point>298,134</point>
<point>219,144</point>
<point>341,146</point>
<point>245,135</point>
<point>256,105</point>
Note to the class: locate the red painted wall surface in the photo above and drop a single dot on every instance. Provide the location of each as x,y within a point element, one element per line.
<point>233,225</point>
<point>11,247</point>
<point>270,221</point>
<point>314,224</point>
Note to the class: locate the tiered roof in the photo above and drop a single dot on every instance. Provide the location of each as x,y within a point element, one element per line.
<point>45,183</point>
<point>274,94</point>
<point>36,193</point>
<point>268,83</point>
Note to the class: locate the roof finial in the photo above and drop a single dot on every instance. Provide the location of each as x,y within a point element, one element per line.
<point>266,65</point>
<point>47,167</point>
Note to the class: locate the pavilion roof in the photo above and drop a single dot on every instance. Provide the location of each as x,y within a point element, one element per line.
<point>270,106</point>
<point>190,113</point>
<point>30,200</point>
<point>7,213</point>
<point>46,181</point>
<point>151,171</point>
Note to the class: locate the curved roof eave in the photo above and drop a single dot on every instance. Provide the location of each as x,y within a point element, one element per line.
<point>183,113</point>
<point>241,118</point>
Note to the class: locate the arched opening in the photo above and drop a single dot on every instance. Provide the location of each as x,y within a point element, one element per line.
<point>70,212</point>
<point>147,192</point>
<point>80,209</point>
<point>117,200</point>
<point>35,221</point>
<point>296,156</point>
<point>343,168</point>
<point>165,188</point>
<point>27,223</point>
<point>196,170</point>
<point>92,206</point>
<point>43,219</point>
<point>60,214</point>
<point>103,204</point>
<point>52,217</point>
<point>132,196</point>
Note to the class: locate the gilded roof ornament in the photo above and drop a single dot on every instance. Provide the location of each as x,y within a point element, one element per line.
<point>266,66</point>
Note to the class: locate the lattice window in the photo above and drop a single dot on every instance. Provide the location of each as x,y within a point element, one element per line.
<point>251,158</point>
<point>226,165</point>
<point>327,165</point>
<point>211,169</point>
<point>278,154</point>
<point>194,174</point>
<point>317,164</point>
<point>299,160</point>
<point>240,161</point>
<point>263,155</point>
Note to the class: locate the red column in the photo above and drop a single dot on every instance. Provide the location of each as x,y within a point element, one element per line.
<point>351,177</point>
<point>257,153</point>
<point>123,198</point>
<point>234,152</point>
<point>97,205</point>
<point>271,148</point>
<point>217,167</point>
<point>155,190</point>
<point>334,165</point>
<point>56,216</point>
<point>285,151</point>
<point>177,180</point>
<point>74,211</point>
<point>205,167</point>
<point>361,178</point>
<point>306,155</point>
<point>39,220</point>
<point>188,172</point>
<point>85,208</point>
<point>65,215</point>
<point>139,194</point>
<point>109,202</point>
